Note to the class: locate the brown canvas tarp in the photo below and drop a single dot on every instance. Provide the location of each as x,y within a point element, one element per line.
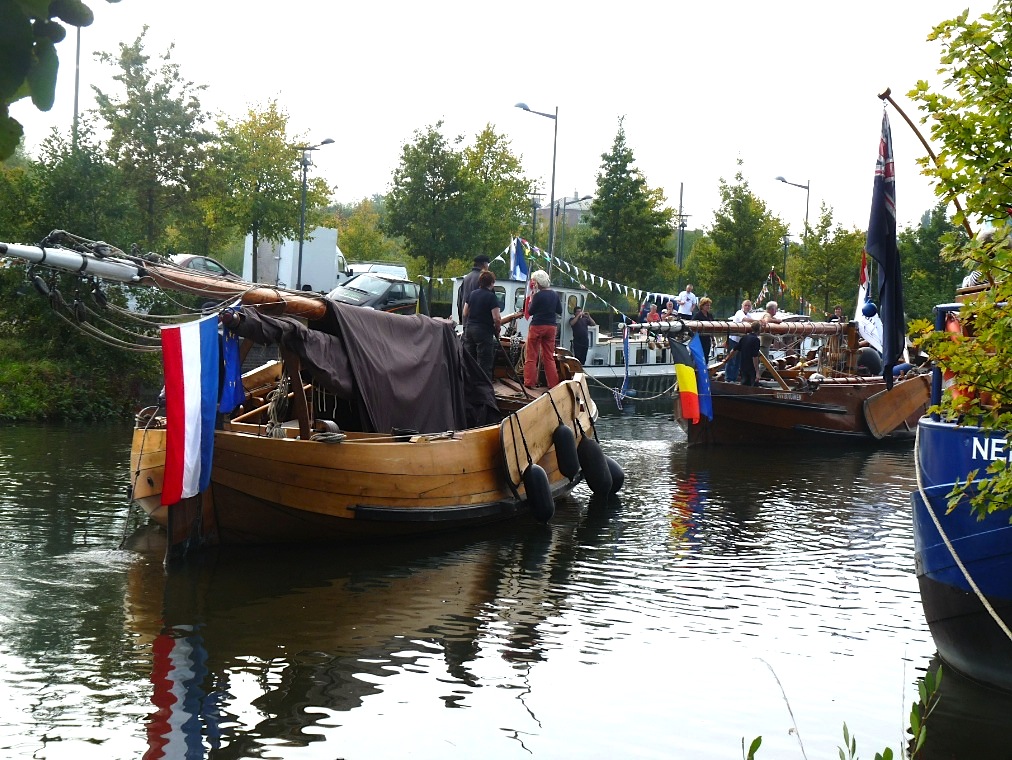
<point>394,371</point>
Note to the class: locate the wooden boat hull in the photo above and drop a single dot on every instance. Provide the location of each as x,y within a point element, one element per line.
<point>832,412</point>
<point>285,490</point>
<point>965,633</point>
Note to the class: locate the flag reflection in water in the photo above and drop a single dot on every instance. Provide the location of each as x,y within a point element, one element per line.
<point>184,714</point>
<point>687,508</point>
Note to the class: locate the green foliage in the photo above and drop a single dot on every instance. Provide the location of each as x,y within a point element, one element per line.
<point>155,135</point>
<point>448,204</point>
<point>971,120</point>
<point>969,117</point>
<point>929,278</point>
<point>51,370</point>
<point>826,269</point>
<point>17,197</point>
<point>78,188</point>
<point>428,202</point>
<point>497,191</point>
<point>361,237</point>
<point>745,242</point>
<point>629,223</point>
<point>920,711</point>
<point>253,180</point>
<point>29,32</point>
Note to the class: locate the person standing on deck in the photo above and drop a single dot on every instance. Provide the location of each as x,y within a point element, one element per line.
<point>481,319</point>
<point>703,314</point>
<point>470,283</point>
<point>770,315</point>
<point>544,307</point>
<point>580,323</point>
<point>747,354</point>
<point>733,357</point>
<point>687,302</point>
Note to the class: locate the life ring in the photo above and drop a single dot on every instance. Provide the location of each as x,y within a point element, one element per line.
<point>539,493</point>
<point>594,466</point>
<point>565,451</point>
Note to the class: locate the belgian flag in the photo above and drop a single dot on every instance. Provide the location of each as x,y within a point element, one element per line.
<point>685,374</point>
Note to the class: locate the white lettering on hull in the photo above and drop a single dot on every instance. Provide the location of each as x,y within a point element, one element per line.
<point>989,449</point>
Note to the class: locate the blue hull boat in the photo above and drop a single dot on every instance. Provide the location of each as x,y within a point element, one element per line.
<point>963,565</point>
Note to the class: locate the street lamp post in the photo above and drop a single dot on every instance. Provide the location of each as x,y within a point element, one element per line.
<point>551,203</point>
<point>565,218</point>
<point>807,187</point>
<point>787,243</point>
<point>302,211</point>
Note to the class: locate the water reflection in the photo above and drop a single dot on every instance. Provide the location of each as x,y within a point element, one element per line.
<point>234,632</point>
<point>593,636</point>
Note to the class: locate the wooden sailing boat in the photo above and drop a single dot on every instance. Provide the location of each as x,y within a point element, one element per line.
<point>818,398</point>
<point>304,457</point>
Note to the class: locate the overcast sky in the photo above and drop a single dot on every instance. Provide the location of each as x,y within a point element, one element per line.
<point>788,86</point>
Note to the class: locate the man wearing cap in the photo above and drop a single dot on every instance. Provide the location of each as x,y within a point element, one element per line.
<point>470,283</point>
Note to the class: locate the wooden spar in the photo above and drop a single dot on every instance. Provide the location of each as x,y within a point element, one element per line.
<point>169,277</point>
<point>704,327</point>
<point>887,95</point>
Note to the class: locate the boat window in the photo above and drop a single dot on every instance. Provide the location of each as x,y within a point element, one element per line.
<point>518,300</point>
<point>572,303</point>
<point>500,296</point>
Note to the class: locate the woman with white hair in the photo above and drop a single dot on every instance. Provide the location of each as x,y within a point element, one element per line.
<point>544,306</point>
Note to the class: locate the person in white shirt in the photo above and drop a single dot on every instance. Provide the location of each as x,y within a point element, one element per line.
<point>740,316</point>
<point>687,301</point>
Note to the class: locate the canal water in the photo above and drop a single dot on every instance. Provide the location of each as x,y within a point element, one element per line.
<point>725,594</point>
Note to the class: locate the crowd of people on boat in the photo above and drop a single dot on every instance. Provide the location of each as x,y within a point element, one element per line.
<point>482,322</point>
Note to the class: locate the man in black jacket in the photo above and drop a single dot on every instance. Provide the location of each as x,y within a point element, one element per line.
<point>470,283</point>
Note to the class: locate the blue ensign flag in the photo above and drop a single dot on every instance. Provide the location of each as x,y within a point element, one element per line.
<point>881,246</point>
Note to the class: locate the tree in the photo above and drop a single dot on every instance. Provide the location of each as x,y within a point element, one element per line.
<point>745,242</point>
<point>929,278</point>
<point>971,120</point>
<point>80,190</point>
<point>826,271</point>
<point>29,33</point>
<point>362,237</point>
<point>629,223</point>
<point>497,189</point>
<point>254,180</point>
<point>428,205</point>
<point>155,136</point>
<point>18,220</point>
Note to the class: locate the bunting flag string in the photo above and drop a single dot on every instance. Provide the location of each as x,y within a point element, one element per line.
<point>581,277</point>
<point>774,283</point>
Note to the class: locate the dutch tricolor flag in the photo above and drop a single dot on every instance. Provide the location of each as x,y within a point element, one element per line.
<point>191,360</point>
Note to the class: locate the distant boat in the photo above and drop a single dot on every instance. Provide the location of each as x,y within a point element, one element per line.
<point>814,397</point>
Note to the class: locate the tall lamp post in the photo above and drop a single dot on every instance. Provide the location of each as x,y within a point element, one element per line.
<point>807,187</point>
<point>302,212</point>
<point>565,218</point>
<point>551,203</point>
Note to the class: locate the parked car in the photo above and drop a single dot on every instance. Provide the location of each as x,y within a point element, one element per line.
<point>382,292</point>
<point>203,264</point>
<point>377,267</point>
